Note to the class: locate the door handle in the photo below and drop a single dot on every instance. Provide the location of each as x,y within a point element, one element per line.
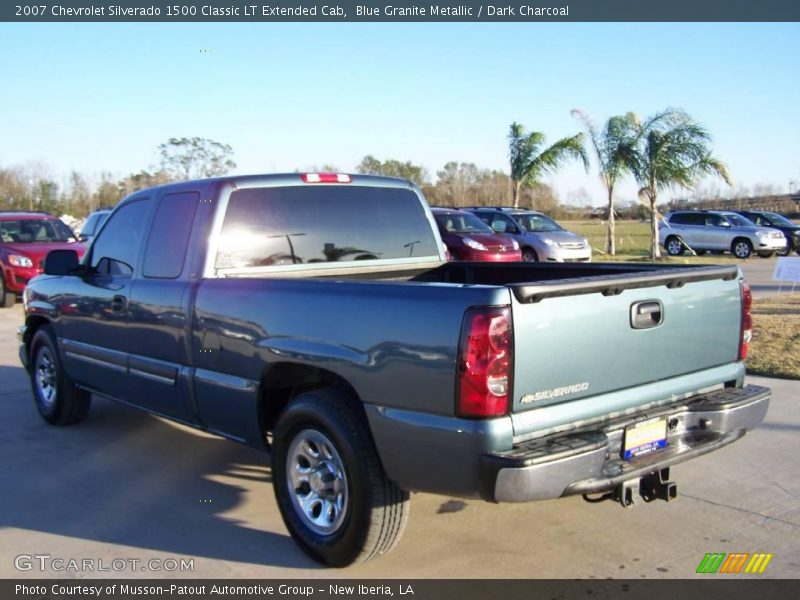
<point>119,304</point>
<point>645,315</point>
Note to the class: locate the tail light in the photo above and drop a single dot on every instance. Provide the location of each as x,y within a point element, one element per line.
<point>326,178</point>
<point>484,363</point>
<point>747,321</point>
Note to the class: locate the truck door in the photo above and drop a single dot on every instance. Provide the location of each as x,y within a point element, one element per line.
<point>94,307</point>
<point>160,309</point>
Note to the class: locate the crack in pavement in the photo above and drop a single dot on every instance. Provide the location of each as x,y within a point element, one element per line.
<point>744,510</point>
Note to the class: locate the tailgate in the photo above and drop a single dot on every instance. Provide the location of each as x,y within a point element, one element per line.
<point>587,337</point>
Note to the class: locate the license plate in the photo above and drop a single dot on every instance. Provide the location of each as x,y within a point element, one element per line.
<point>644,437</point>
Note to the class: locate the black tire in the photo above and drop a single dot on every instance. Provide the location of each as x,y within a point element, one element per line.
<point>361,513</point>
<point>68,404</point>
<point>674,246</point>
<point>529,255</point>
<point>765,253</point>
<point>7,298</point>
<point>741,248</point>
<point>700,252</point>
<point>786,251</point>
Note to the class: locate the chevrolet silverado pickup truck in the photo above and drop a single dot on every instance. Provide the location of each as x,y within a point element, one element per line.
<point>315,317</point>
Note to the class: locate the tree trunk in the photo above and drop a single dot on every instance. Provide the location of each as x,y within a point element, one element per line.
<point>655,250</point>
<point>610,235</point>
<point>515,193</point>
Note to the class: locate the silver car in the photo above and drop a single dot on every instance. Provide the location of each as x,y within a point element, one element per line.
<point>539,237</point>
<point>717,231</point>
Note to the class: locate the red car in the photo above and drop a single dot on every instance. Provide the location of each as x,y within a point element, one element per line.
<point>25,240</point>
<point>469,238</point>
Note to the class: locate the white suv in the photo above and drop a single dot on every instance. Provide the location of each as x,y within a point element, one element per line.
<point>718,231</point>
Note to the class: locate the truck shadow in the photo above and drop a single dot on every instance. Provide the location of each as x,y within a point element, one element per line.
<point>125,477</point>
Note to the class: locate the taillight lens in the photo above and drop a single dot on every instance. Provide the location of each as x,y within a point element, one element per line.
<point>747,321</point>
<point>484,363</point>
<point>326,178</point>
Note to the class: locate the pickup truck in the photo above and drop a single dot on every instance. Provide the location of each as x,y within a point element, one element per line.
<point>315,317</point>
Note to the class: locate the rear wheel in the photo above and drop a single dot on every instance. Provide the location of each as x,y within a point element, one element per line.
<point>7,298</point>
<point>58,400</point>
<point>741,248</point>
<point>765,253</point>
<point>674,246</point>
<point>332,491</point>
<point>529,255</point>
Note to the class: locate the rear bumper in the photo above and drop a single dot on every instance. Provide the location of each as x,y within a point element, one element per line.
<point>590,461</point>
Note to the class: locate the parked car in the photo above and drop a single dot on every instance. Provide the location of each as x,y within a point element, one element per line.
<point>368,378</point>
<point>93,224</point>
<point>790,229</point>
<point>717,231</point>
<point>469,238</point>
<point>539,237</point>
<point>25,240</point>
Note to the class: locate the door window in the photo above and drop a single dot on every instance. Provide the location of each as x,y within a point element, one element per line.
<point>116,249</point>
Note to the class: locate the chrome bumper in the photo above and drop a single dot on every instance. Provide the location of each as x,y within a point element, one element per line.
<point>590,461</point>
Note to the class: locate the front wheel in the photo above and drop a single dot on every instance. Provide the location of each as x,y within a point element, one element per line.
<point>741,248</point>
<point>7,298</point>
<point>58,400</point>
<point>786,251</point>
<point>765,253</point>
<point>332,491</point>
<point>529,255</point>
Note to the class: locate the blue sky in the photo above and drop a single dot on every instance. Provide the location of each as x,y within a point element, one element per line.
<point>101,97</point>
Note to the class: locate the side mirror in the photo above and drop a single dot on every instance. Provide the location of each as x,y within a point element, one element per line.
<point>83,237</point>
<point>724,224</point>
<point>60,262</point>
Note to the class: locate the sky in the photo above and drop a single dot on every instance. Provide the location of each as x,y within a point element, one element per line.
<point>101,97</point>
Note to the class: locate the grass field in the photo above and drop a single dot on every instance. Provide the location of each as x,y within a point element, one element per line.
<point>775,349</point>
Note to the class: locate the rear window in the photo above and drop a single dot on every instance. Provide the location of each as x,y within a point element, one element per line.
<point>267,227</point>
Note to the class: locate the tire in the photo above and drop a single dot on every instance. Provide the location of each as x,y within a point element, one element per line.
<point>674,246</point>
<point>765,253</point>
<point>58,400</point>
<point>786,251</point>
<point>352,511</point>
<point>741,248</point>
<point>7,299</point>
<point>700,252</point>
<point>529,255</point>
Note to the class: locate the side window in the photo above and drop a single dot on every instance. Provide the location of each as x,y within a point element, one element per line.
<point>169,236</point>
<point>502,224</point>
<point>116,250</point>
<point>679,219</point>
<point>714,220</point>
<point>759,220</point>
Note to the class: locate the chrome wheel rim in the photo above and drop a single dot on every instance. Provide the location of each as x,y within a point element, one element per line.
<point>317,482</point>
<point>46,383</point>
<point>674,247</point>
<point>742,250</point>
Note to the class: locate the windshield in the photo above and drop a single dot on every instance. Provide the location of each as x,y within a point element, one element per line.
<point>534,222</point>
<point>740,221</point>
<point>777,219</point>
<point>35,231</point>
<point>462,223</point>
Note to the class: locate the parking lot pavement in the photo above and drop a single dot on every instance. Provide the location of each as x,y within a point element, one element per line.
<point>758,273</point>
<point>126,485</point>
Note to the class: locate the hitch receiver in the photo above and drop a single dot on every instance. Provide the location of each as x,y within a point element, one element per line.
<point>657,486</point>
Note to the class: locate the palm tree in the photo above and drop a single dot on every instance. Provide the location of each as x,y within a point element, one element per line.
<point>529,162</point>
<point>610,145</point>
<point>669,150</point>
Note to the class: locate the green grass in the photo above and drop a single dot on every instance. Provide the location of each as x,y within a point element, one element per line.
<point>775,349</point>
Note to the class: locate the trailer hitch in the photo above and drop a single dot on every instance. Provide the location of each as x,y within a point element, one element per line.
<point>657,486</point>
